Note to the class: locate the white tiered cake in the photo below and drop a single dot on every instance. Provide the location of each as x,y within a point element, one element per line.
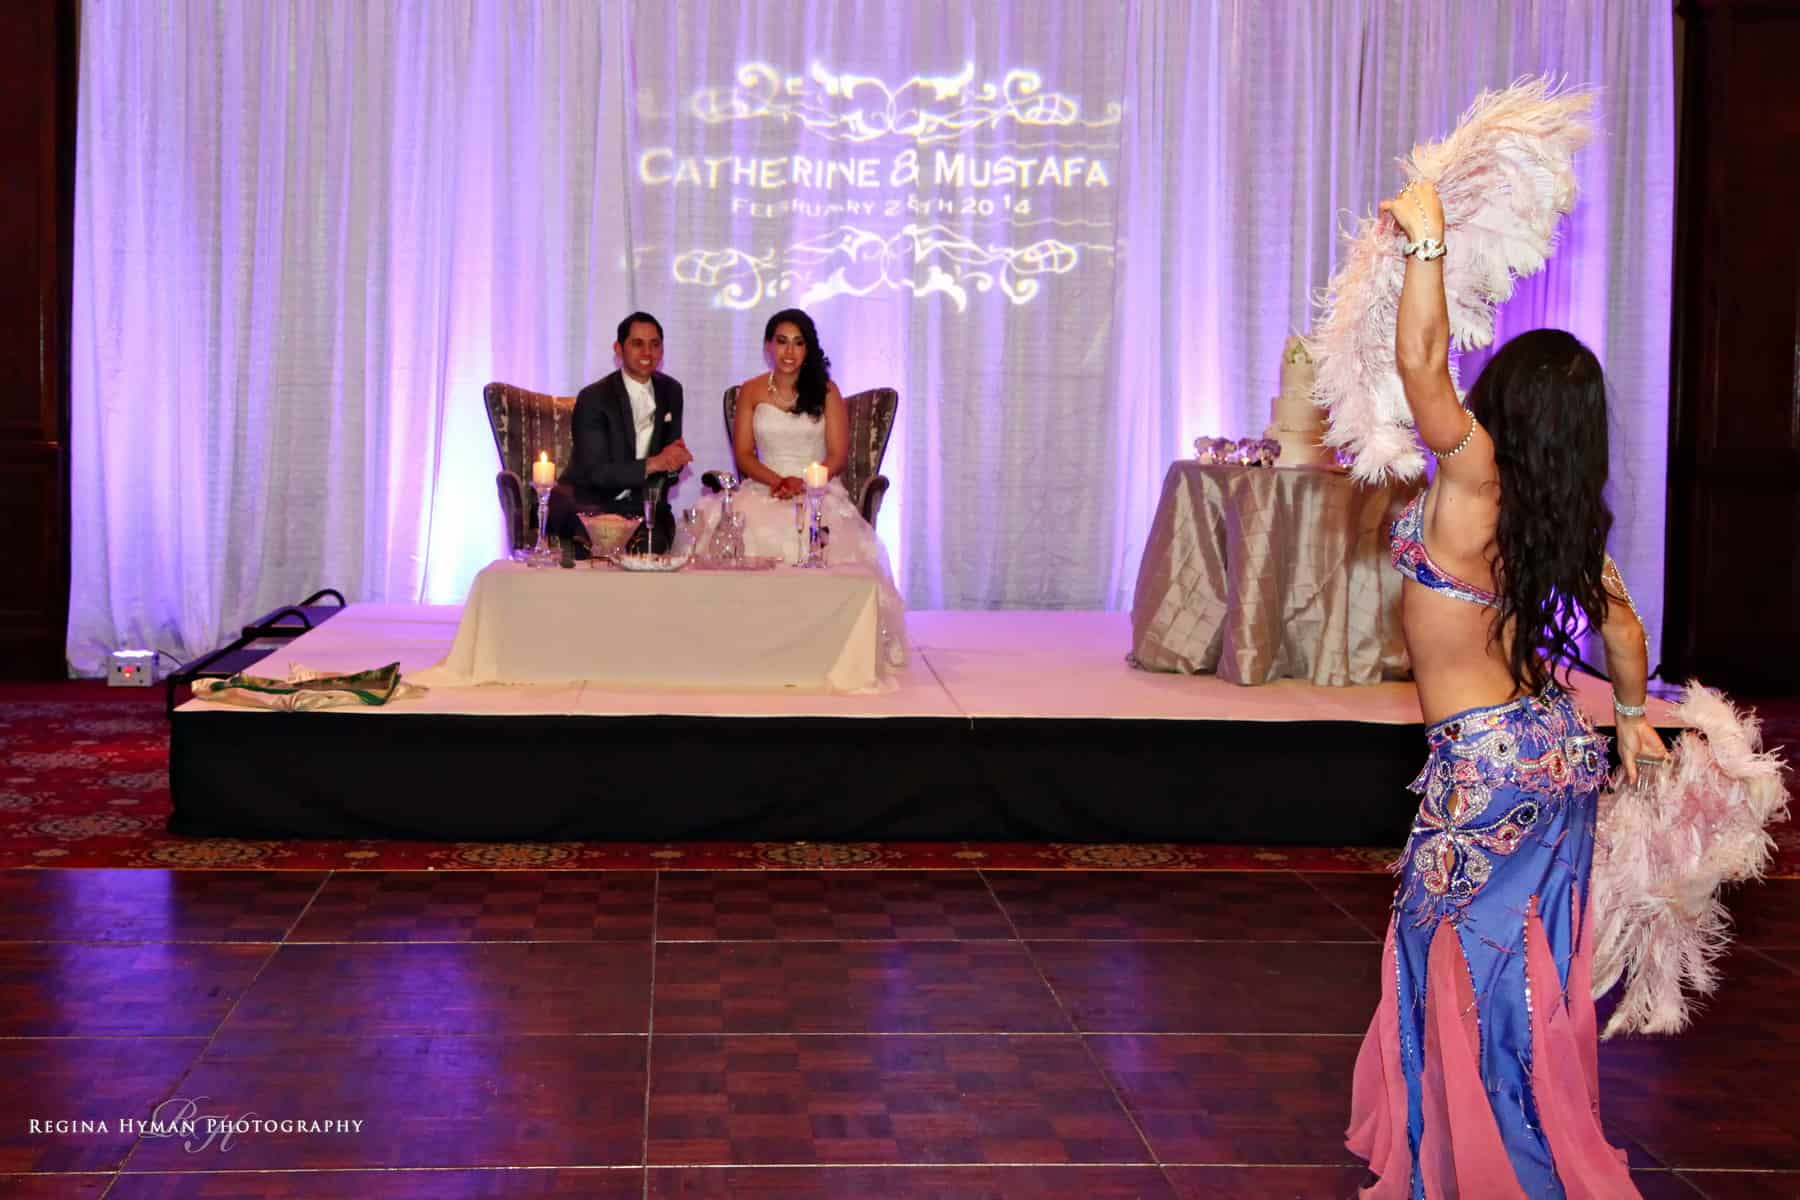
<point>1296,422</point>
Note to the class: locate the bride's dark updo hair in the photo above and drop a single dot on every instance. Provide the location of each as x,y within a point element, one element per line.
<point>815,368</point>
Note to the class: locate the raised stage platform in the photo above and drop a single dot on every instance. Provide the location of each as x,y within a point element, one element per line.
<point>1006,726</point>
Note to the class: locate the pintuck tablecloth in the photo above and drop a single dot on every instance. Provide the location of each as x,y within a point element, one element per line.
<point>1259,573</point>
<point>787,628</point>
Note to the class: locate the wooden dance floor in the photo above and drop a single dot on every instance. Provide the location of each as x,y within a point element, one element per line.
<point>775,1035</point>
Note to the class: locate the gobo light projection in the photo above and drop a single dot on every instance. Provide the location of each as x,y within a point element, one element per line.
<point>940,185</point>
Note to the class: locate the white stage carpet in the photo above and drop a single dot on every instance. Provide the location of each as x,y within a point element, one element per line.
<point>965,664</point>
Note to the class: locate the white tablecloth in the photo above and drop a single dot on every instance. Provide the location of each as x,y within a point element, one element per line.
<point>787,628</point>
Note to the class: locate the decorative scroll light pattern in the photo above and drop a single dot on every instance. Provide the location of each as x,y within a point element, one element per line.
<point>925,108</point>
<point>849,261</point>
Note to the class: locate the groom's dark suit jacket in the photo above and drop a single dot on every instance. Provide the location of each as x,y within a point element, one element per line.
<point>605,461</point>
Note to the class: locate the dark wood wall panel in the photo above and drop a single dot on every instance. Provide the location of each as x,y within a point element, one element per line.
<point>1733,596</point>
<point>31,484</point>
<point>37,140</point>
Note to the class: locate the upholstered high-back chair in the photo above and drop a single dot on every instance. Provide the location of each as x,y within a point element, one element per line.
<point>871,424</point>
<point>526,424</point>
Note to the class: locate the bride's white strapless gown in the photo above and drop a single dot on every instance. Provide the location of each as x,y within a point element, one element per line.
<point>787,442</point>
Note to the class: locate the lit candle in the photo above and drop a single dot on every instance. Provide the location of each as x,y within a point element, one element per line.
<point>816,475</point>
<point>543,471</point>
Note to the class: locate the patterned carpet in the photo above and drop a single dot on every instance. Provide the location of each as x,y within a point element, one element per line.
<point>84,783</point>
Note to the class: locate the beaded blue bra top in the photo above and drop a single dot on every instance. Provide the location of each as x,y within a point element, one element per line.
<point>1406,545</point>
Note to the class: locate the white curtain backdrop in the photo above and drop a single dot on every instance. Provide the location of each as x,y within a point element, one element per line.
<point>1256,140</point>
<point>1073,236</point>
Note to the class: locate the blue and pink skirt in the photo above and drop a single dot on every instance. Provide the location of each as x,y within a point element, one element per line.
<point>1479,1074</point>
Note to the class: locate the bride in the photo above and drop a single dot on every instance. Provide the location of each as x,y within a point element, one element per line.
<point>788,418</point>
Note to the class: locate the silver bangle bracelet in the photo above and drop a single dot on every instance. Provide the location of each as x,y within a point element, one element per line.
<point>1467,437</point>
<point>1627,710</point>
<point>1425,249</point>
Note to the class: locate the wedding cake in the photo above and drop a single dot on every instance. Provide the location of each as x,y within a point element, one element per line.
<point>1295,421</point>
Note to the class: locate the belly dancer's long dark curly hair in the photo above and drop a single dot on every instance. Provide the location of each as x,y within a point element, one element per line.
<point>1542,399</point>
<point>815,370</point>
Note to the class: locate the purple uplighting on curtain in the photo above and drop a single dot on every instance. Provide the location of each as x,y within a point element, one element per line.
<point>1285,125</point>
<point>307,233</point>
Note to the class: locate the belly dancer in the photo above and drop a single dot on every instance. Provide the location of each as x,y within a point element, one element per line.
<point>1478,1076</point>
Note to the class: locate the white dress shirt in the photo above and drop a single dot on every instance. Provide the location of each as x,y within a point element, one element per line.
<point>643,416</point>
<point>643,413</point>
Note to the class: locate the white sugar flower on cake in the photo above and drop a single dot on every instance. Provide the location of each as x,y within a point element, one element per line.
<point>1295,418</point>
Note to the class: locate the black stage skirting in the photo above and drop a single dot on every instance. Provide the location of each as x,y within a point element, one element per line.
<point>674,778</point>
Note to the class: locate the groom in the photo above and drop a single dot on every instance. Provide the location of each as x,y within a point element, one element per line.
<point>627,432</point>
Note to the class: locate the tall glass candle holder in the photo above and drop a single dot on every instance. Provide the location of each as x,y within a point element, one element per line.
<point>815,528</point>
<point>540,553</point>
